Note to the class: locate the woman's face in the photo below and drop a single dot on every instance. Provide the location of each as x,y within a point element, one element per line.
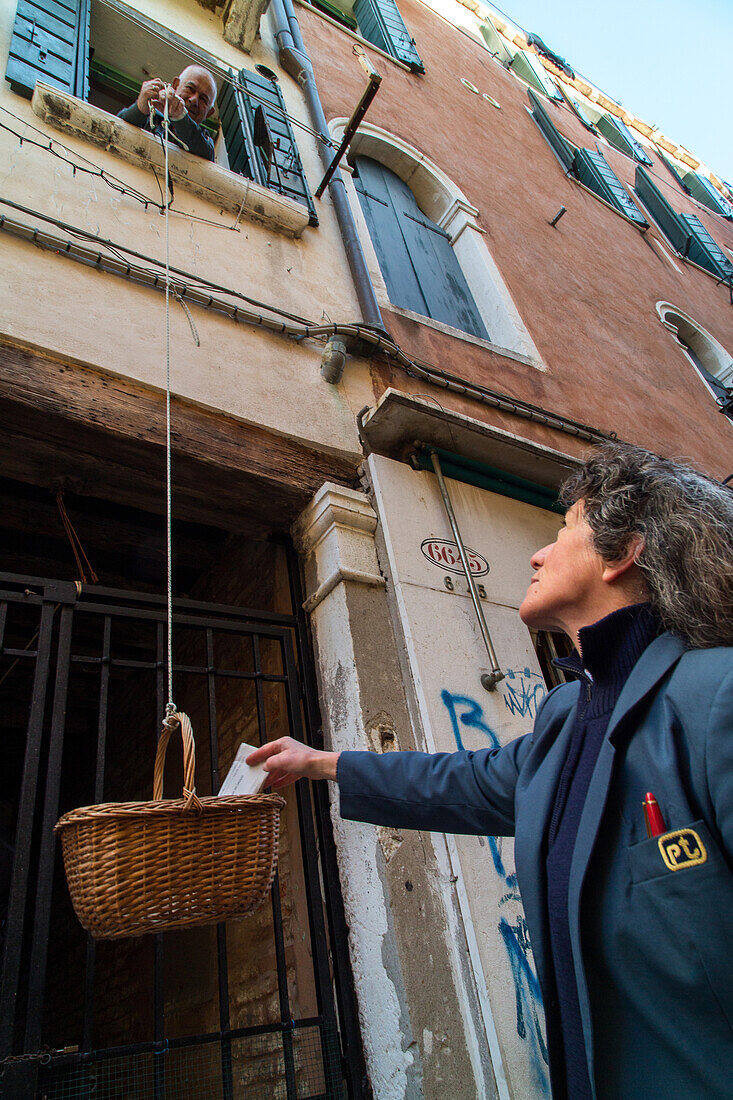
<point>567,588</point>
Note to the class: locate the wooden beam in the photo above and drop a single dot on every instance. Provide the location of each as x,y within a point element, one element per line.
<point>129,412</point>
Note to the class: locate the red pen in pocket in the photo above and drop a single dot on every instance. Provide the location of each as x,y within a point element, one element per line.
<point>653,816</point>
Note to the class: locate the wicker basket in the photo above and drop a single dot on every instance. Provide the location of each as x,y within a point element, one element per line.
<point>135,867</point>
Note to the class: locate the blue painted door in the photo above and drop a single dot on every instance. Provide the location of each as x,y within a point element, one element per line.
<point>419,266</point>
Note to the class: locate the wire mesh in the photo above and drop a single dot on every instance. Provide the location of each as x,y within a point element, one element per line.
<point>244,1068</point>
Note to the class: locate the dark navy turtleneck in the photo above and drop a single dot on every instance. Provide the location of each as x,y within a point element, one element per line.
<point>609,650</point>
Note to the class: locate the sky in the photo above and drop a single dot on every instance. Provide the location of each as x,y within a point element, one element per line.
<point>667,61</point>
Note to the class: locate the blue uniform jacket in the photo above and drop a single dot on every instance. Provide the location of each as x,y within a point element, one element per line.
<point>651,923</point>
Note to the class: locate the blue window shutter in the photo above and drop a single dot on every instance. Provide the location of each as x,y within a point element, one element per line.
<point>618,134</point>
<point>703,190</point>
<point>50,42</point>
<point>285,174</point>
<point>419,266</point>
<point>564,150</point>
<point>666,218</point>
<point>593,170</point>
<point>381,24</point>
<point>703,250</point>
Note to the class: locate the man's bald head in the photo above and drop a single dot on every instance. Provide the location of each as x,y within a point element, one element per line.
<point>197,88</point>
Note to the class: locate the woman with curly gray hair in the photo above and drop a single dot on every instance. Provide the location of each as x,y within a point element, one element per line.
<point>621,799</point>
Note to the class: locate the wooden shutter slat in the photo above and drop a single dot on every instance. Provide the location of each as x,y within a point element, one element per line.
<point>420,268</point>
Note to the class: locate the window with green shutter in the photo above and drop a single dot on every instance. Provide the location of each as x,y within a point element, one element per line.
<point>587,165</point>
<point>617,134</point>
<point>259,137</point>
<point>530,68</point>
<point>50,42</point>
<point>685,232</point>
<point>704,191</point>
<point>381,23</point>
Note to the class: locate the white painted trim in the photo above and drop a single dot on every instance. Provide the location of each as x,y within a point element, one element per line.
<point>446,205</point>
<point>712,354</point>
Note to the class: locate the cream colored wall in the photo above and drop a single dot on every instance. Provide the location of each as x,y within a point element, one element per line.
<point>106,322</point>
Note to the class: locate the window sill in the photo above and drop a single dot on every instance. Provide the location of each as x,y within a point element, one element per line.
<point>456,333</point>
<point>226,189</point>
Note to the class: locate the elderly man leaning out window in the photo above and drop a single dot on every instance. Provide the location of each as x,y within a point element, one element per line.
<point>191,98</point>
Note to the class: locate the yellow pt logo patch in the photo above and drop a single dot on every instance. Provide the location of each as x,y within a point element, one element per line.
<point>682,848</point>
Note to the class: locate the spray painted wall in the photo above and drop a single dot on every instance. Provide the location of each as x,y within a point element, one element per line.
<point>447,657</point>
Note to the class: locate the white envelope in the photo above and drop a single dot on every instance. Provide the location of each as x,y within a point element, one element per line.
<point>243,779</point>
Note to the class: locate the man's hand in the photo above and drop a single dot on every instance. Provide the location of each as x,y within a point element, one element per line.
<point>153,92</point>
<point>288,760</point>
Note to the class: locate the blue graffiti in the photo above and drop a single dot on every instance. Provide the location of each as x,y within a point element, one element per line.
<point>466,712</point>
<point>522,698</point>
<point>527,993</point>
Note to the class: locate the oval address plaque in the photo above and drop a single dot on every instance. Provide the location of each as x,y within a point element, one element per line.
<point>444,554</point>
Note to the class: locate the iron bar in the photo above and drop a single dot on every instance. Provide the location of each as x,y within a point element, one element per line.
<point>221,930</point>
<point>44,887</point>
<point>352,126</point>
<point>309,853</point>
<point>91,959</point>
<point>489,680</point>
<point>277,925</point>
<point>24,833</point>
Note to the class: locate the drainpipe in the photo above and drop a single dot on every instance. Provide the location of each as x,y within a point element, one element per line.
<point>295,61</point>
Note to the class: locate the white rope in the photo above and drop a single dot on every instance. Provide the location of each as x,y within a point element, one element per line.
<point>171,707</point>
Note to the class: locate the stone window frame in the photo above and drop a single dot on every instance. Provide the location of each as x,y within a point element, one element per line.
<point>710,351</point>
<point>445,204</point>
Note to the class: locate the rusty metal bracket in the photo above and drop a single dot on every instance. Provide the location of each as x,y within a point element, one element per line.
<point>375,79</point>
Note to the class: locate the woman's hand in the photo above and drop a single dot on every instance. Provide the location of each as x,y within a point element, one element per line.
<point>288,760</point>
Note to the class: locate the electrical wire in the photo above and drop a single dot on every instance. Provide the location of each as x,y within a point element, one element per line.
<point>356,331</point>
<point>170,709</point>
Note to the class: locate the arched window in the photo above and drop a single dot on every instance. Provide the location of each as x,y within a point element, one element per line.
<point>420,269</point>
<point>709,357</point>
<point>435,235</point>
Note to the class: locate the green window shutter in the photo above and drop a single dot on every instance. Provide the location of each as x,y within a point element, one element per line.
<point>666,218</point>
<point>578,110</point>
<point>494,42</point>
<point>564,150</point>
<point>50,42</point>
<point>703,190</point>
<point>285,171</point>
<point>381,24</point>
<point>703,250</point>
<point>252,116</point>
<point>593,170</point>
<point>235,127</point>
<point>531,69</point>
<point>673,170</point>
<point>618,134</point>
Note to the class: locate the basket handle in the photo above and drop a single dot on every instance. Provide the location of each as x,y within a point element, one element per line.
<point>181,721</point>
